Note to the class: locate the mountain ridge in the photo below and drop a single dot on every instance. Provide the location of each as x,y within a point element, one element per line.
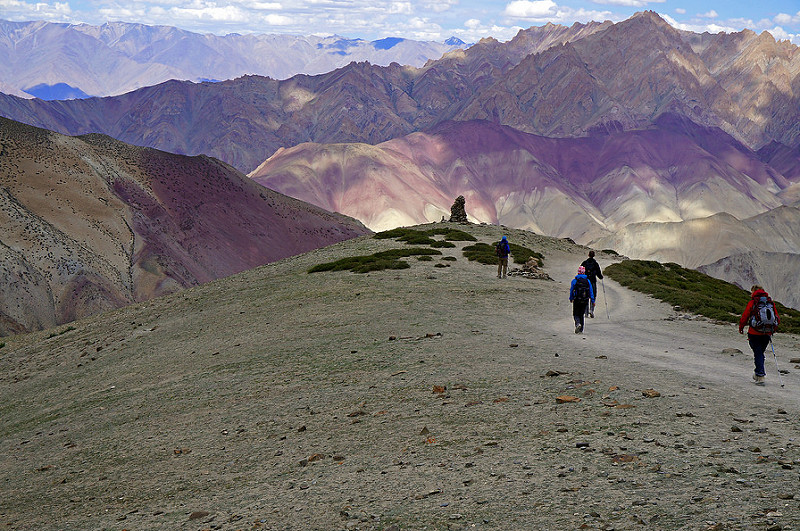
<point>118,57</point>
<point>90,224</point>
<point>372,104</point>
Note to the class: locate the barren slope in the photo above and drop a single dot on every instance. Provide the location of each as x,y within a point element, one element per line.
<point>419,398</point>
<point>88,224</point>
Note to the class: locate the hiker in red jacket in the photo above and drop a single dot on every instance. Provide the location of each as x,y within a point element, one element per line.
<point>762,318</point>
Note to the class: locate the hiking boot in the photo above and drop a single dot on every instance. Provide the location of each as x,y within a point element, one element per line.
<point>591,314</point>
<point>578,329</point>
<point>759,380</point>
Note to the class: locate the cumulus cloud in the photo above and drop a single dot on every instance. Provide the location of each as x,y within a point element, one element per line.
<point>21,10</point>
<point>540,11</point>
<point>439,6</point>
<point>710,14</point>
<point>531,9</point>
<point>628,3</point>
<point>680,10</point>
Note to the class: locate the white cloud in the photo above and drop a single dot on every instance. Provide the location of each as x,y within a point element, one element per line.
<point>21,10</point>
<point>680,11</point>
<point>628,3</point>
<point>274,19</point>
<point>439,6</point>
<point>710,14</point>
<point>266,6</point>
<point>400,8</point>
<point>786,19</point>
<point>531,9</point>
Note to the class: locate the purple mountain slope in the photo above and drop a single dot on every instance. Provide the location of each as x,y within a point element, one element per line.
<point>576,187</point>
<point>89,223</point>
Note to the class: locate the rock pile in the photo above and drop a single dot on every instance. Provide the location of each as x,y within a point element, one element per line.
<point>458,212</point>
<point>529,270</point>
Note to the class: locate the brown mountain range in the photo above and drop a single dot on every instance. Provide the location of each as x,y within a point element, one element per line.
<point>551,80</point>
<point>90,223</point>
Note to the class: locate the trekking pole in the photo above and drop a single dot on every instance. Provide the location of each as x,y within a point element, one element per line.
<point>604,298</point>
<point>776,361</point>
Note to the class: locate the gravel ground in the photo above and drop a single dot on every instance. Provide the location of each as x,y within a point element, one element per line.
<point>424,398</point>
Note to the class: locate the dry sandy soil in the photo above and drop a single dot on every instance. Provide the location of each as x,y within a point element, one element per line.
<point>425,398</point>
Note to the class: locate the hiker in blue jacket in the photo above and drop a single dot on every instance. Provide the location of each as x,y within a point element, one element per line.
<point>502,250</point>
<point>580,293</point>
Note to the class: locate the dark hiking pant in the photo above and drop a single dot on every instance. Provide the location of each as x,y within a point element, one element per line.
<point>578,312</point>
<point>759,345</point>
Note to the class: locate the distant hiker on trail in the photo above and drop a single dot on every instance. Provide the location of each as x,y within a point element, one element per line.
<point>502,250</point>
<point>762,319</point>
<point>580,294</point>
<point>593,272</point>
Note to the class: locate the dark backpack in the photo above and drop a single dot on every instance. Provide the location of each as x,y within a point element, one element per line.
<point>763,317</point>
<point>582,293</point>
<point>502,249</point>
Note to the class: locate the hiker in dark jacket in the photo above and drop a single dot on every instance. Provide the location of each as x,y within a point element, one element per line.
<point>758,340</point>
<point>502,250</point>
<point>580,294</point>
<point>593,272</point>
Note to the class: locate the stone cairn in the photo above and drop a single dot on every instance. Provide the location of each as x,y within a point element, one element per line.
<point>458,212</point>
<point>529,270</point>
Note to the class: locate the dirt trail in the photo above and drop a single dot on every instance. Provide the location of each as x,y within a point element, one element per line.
<point>649,336</point>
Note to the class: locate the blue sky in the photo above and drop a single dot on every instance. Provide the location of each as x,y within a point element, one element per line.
<point>469,20</point>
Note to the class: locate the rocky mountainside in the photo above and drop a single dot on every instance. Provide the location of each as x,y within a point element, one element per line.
<point>119,57</point>
<point>552,81</point>
<point>89,223</point>
<point>582,188</point>
<point>428,397</point>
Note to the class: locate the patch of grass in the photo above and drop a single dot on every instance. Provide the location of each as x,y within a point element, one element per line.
<point>693,291</point>
<point>2,345</point>
<point>425,258</point>
<point>374,262</point>
<point>449,258</point>
<point>483,253</point>
<point>423,237</point>
<point>61,332</point>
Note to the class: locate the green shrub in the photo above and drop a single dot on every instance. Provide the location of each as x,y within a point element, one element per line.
<point>449,258</point>
<point>375,262</point>
<point>484,253</point>
<point>423,237</point>
<point>453,235</point>
<point>425,258</point>
<point>522,254</point>
<point>2,345</point>
<point>693,291</point>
